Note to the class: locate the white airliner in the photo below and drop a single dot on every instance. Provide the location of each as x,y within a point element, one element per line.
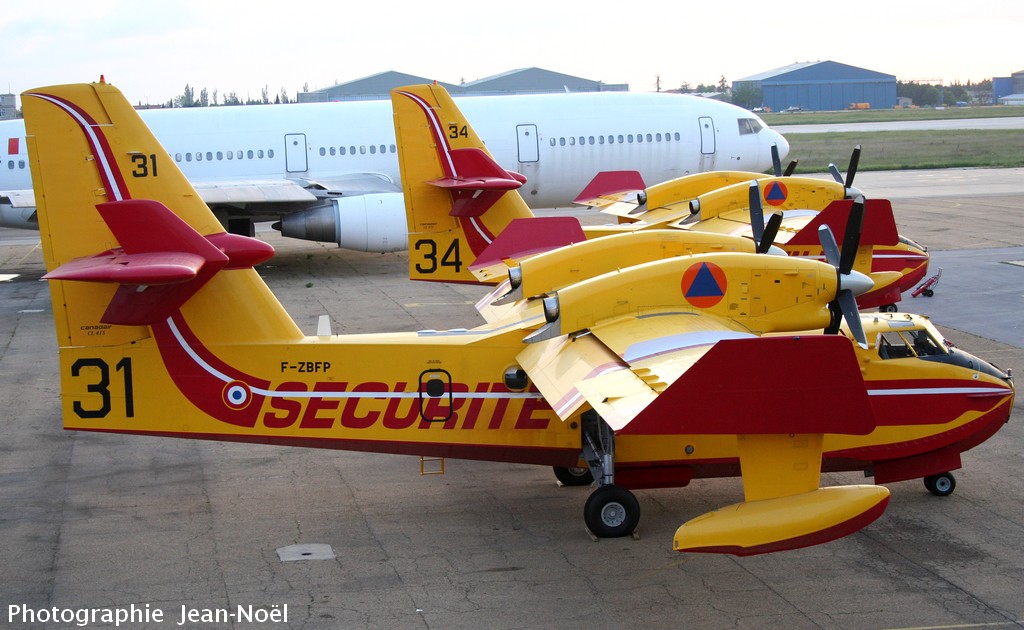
<point>329,171</point>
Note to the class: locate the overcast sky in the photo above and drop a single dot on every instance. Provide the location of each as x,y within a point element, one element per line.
<point>152,48</point>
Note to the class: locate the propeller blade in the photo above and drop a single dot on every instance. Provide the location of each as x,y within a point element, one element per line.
<point>790,168</point>
<point>848,305</point>
<point>770,231</point>
<point>776,160</point>
<point>852,170</point>
<point>836,175</point>
<point>756,212</point>
<point>851,240</point>
<point>829,245</point>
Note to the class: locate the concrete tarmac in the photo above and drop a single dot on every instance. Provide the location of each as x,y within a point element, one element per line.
<point>91,521</point>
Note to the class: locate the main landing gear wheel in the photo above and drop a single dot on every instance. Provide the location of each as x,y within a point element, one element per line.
<point>575,476</point>
<point>941,485</point>
<point>888,308</point>
<point>611,512</point>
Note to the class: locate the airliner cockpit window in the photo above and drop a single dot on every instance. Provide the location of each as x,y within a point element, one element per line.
<point>749,125</point>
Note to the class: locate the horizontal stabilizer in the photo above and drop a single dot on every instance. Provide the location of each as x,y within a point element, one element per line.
<point>161,262</point>
<point>879,224</point>
<point>148,268</point>
<point>780,524</point>
<point>475,181</point>
<point>528,237</point>
<point>610,185</point>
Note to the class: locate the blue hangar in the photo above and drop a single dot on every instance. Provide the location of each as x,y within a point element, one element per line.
<point>821,85</point>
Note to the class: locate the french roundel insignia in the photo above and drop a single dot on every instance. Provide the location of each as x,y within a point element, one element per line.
<point>776,193</point>
<point>704,284</point>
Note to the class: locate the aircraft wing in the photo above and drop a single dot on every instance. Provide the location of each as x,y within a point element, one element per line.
<point>664,373</point>
<point>248,191</point>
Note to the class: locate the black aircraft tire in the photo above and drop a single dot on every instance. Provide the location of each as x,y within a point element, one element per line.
<point>611,512</point>
<point>941,485</point>
<point>573,476</point>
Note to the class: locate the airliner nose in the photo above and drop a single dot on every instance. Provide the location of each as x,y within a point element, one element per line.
<point>782,143</point>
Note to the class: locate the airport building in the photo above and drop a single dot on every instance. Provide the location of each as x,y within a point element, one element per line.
<point>521,81</point>
<point>1009,90</point>
<point>821,86</point>
<point>8,107</point>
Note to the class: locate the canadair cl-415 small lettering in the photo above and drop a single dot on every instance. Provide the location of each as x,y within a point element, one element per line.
<point>646,375</point>
<point>329,171</point>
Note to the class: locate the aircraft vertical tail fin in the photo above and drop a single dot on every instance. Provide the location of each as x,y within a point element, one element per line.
<point>127,240</point>
<point>458,199</point>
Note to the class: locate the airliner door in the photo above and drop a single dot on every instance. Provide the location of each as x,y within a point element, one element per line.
<point>529,150</point>
<point>707,135</point>
<point>295,153</point>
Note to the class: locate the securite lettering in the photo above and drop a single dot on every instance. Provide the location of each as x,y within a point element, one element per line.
<point>399,406</point>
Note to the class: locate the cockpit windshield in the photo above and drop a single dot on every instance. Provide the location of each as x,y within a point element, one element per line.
<point>749,125</point>
<point>909,343</point>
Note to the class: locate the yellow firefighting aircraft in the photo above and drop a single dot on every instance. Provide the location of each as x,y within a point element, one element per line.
<point>732,202</point>
<point>648,375</point>
<point>464,209</point>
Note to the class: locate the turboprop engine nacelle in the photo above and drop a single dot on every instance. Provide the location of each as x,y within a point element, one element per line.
<point>365,223</point>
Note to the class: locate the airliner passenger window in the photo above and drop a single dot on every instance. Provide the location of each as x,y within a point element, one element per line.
<point>209,156</point>
<point>248,154</point>
<point>352,150</point>
<point>362,150</point>
<point>649,138</point>
<point>600,139</point>
<point>323,151</point>
<point>231,155</point>
<point>199,156</point>
<point>393,149</point>
<point>383,149</point>
<point>332,151</point>
<point>629,138</point>
<point>259,154</point>
<point>177,157</point>
<point>341,150</point>
<point>21,164</point>
<point>188,157</point>
<point>620,139</point>
<point>572,140</point>
<point>373,149</point>
<point>10,164</point>
<point>658,137</point>
<point>582,140</point>
<point>590,140</point>
<point>677,135</point>
<point>561,142</point>
<point>270,153</point>
<point>238,155</point>
<point>552,142</point>
<point>220,155</point>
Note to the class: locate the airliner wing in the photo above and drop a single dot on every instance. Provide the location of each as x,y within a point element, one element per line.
<point>250,191</point>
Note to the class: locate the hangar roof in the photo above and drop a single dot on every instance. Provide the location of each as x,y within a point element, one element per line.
<point>818,71</point>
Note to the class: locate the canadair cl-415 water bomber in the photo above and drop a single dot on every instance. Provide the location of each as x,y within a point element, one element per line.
<point>647,375</point>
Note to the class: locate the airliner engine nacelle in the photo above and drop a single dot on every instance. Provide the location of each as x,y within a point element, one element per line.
<point>366,223</point>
